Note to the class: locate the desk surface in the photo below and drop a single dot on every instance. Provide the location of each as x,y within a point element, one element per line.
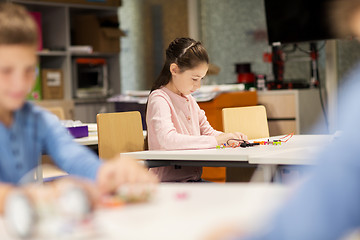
<point>204,207</point>
<point>92,139</point>
<point>300,149</point>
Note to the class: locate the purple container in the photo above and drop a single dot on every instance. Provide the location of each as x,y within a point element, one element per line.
<point>79,132</point>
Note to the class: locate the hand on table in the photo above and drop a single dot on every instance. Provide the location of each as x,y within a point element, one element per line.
<point>225,232</point>
<point>224,137</point>
<point>123,171</point>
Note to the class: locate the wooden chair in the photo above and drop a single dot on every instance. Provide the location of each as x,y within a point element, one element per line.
<point>66,105</point>
<point>119,132</point>
<point>57,111</point>
<point>251,121</point>
<point>213,110</point>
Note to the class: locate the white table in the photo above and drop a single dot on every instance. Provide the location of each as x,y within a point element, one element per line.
<point>299,150</point>
<point>204,208</point>
<point>87,141</point>
<point>92,139</point>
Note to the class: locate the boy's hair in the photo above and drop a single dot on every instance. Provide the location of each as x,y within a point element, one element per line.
<point>17,26</point>
<point>186,53</point>
<point>341,14</point>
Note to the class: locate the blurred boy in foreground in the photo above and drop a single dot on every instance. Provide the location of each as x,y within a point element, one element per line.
<point>27,131</point>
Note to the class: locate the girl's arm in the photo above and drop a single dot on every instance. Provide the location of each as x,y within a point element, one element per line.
<point>161,128</point>
<point>205,127</point>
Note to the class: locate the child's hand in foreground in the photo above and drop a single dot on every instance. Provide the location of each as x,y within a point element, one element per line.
<point>123,171</point>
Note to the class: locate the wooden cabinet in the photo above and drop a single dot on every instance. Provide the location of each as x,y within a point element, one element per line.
<point>297,111</point>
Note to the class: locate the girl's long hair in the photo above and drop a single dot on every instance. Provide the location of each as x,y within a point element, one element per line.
<point>184,52</point>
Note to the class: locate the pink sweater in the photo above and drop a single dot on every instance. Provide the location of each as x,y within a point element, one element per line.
<point>176,122</point>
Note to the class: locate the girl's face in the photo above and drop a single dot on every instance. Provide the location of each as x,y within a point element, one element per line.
<point>17,75</point>
<point>188,81</point>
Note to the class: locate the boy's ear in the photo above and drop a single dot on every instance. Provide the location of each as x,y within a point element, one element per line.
<point>174,69</point>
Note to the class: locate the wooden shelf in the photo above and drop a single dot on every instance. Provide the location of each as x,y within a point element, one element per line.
<point>51,53</point>
<point>91,100</point>
<point>70,5</point>
<point>57,19</point>
<point>94,54</point>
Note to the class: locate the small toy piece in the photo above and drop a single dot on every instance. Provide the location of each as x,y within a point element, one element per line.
<point>181,196</point>
<point>243,144</point>
<point>135,193</point>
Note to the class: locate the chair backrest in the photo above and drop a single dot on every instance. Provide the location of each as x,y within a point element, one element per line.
<point>119,132</point>
<point>251,121</point>
<point>66,105</point>
<point>57,111</point>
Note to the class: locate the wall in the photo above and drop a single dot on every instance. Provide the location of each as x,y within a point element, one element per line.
<point>232,30</point>
<point>348,57</point>
<point>150,26</point>
<point>132,46</point>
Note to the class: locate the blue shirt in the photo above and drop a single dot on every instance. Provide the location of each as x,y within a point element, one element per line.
<point>327,205</point>
<point>35,132</point>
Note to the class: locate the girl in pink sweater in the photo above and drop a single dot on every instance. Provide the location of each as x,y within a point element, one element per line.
<point>174,119</point>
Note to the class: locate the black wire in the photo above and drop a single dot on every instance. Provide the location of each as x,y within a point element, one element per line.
<point>318,78</point>
<point>322,46</point>
<point>234,139</point>
<point>321,97</point>
<point>309,51</point>
<point>303,50</point>
<point>294,47</point>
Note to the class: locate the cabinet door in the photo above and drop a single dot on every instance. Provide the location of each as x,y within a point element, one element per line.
<point>281,127</point>
<point>278,106</point>
<point>86,112</point>
<point>281,112</point>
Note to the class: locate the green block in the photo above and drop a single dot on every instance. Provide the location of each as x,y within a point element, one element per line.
<point>35,93</point>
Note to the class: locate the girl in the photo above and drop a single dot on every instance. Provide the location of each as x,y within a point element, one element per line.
<point>174,119</point>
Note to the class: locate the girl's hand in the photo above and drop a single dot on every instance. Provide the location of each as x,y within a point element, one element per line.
<point>224,137</point>
<point>241,136</point>
<point>120,171</point>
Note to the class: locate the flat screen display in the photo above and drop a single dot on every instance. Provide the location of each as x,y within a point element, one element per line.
<point>291,21</point>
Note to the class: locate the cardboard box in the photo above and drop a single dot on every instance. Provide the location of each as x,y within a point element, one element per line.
<point>109,3</point>
<point>88,30</point>
<point>52,84</point>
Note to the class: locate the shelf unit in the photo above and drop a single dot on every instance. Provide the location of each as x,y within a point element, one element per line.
<point>56,30</point>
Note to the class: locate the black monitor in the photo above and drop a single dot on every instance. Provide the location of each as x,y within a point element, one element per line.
<point>292,21</point>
